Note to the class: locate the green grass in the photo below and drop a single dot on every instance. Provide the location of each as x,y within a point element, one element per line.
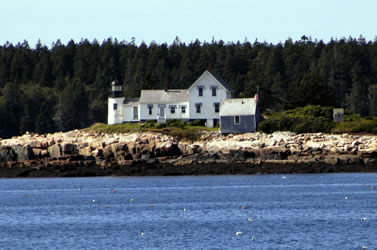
<point>179,130</point>
<point>361,125</point>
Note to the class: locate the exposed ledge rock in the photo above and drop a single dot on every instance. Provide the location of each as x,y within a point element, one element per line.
<point>78,153</point>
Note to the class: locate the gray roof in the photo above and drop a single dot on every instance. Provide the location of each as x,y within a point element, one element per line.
<point>131,101</point>
<point>222,81</point>
<point>162,96</point>
<point>238,106</point>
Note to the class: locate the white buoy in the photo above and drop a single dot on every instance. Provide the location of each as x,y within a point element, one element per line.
<point>250,219</point>
<point>142,234</point>
<point>94,201</point>
<point>238,233</point>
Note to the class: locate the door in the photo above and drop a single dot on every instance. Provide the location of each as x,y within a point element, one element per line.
<point>162,111</point>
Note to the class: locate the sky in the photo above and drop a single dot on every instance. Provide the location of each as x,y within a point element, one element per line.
<point>160,21</point>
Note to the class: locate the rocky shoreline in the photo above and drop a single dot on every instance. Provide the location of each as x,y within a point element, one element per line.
<point>78,153</point>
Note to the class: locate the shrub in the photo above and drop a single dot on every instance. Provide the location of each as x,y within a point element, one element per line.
<point>309,119</point>
<point>313,125</point>
<point>190,134</point>
<point>197,123</point>
<point>150,124</point>
<point>361,125</point>
<point>176,123</point>
<point>311,111</point>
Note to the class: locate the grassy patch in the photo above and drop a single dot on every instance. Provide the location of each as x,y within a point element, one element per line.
<point>178,129</point>
<point>352,125</point>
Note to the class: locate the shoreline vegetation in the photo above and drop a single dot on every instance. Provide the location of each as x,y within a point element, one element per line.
<point>179,148</point>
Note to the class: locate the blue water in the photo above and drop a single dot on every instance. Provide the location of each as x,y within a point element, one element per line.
<point>336,211</point>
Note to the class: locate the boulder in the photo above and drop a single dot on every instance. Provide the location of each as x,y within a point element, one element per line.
<point>7,154</point>
<point>23,153</point>
<point>55,151</point>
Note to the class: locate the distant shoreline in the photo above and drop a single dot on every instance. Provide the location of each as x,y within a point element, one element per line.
<point>76,170</point>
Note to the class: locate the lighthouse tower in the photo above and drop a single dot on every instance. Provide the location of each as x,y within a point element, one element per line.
<point>115,107</point>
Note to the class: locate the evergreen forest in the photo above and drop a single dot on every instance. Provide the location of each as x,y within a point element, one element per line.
<point>66,86</point>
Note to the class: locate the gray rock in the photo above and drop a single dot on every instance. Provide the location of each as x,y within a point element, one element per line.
<point>55,151</point>
<point>23,153</point>
<point>7,154</point>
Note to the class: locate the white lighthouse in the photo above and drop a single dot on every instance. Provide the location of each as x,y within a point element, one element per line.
<point>115,108</point>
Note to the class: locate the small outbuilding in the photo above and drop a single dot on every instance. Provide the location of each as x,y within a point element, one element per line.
<point>240,115</point>
<point>338,115</point>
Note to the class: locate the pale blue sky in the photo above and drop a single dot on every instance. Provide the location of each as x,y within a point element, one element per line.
<point>163,20</point>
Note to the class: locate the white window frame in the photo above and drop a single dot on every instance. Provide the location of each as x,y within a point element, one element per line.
<point>200,91</point>
<point>217,107</point>
<point>198,108</point>
<point>214,91</point>
<point>136,113</point>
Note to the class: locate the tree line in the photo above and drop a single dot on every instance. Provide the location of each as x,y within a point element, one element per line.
<point>66,86</point>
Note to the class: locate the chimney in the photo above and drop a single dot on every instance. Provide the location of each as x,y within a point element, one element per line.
<point>209,67</point>
<point>166,85</point>
<point>256,96</point>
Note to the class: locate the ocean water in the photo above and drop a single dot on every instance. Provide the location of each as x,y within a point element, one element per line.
<point>306,211</point>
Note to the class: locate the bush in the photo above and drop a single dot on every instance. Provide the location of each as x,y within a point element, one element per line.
<point>313,125</point>
<point>197,123</point>
<point>309,119</point>
<point>161,125</point>
<point>311,111</point>
<point>189,134</point>
<point>356,126</point>
<point>149,124</point>
<point>176,123</point>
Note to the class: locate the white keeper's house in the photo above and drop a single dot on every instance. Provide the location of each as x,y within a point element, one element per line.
<point>201,101</point>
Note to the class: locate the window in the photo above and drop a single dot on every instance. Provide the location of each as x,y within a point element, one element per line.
<point>198,107</point>
<point>214,91</point>
<point>237,119</point>
<point>172,109</point>
<point>136,115</point>
<point>217,107</point>
<point>115,106</point>
<point>200,91</point>
<point>183,109</point>
<point>150,109</point>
